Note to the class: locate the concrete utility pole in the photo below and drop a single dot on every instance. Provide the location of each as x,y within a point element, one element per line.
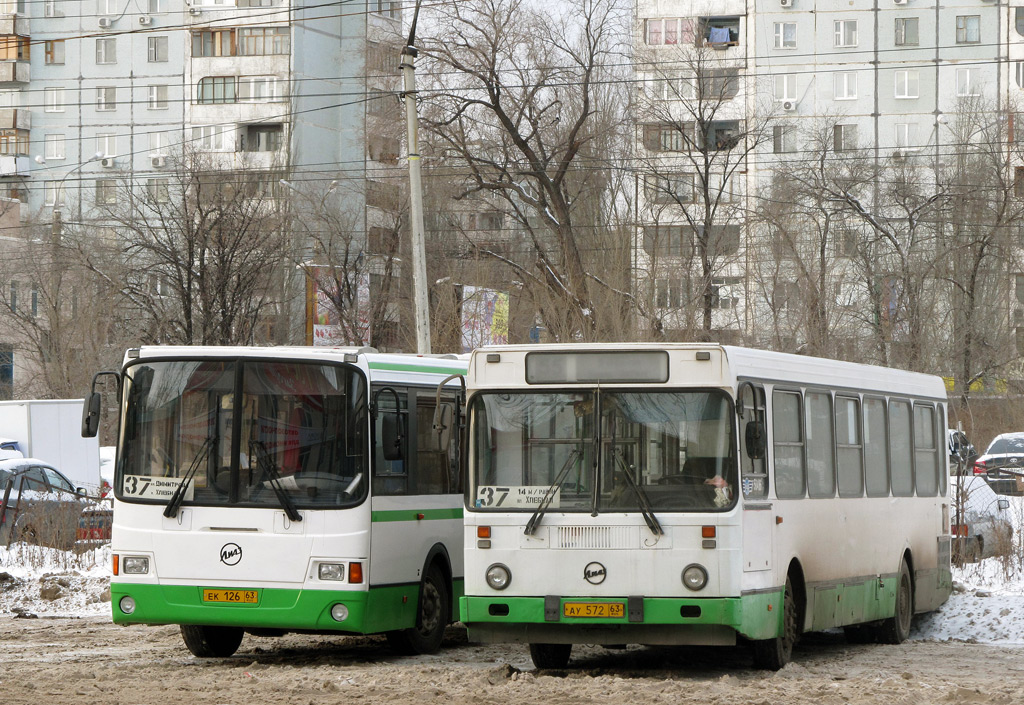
<point>419,255</point>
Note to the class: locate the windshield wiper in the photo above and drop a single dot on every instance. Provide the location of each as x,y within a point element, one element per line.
<point>264,463</point>
<point>531,526</point>
<point>643,501</point>
<point>174,503</point>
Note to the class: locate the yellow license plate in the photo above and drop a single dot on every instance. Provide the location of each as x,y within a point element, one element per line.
<point>240,597</point>
<point>594,609</point>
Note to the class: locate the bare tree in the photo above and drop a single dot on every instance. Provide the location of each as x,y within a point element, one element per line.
<point>517,105</point>
<point>197,255</point>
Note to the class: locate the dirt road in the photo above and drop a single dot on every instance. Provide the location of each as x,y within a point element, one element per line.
<point>83,661</point>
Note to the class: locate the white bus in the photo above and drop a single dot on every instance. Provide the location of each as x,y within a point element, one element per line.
<point>699,494</point>
<point>268,490</point>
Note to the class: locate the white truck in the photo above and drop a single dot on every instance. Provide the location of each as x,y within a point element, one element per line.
<point>51,430</point>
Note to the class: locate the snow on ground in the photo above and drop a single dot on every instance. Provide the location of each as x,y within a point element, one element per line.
<point>987,606</point>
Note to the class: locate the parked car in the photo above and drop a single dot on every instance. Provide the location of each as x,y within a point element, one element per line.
<point>980,525</point>
<point>1002,464</point>
<point>40,505</point>
<point>961,452</point>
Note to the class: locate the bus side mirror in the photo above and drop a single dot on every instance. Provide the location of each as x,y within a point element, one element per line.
<point>391,436</point>
<point>755,439</point>
<point>1003,504</point>
<point>91,415</point>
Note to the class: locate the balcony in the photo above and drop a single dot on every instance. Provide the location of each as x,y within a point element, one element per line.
<point>14,71</point>
<point>14,166</point>
<point>15,119</point>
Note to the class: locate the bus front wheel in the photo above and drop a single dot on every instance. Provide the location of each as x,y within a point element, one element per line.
<point>550,655</point>
<point>211,642</point>
<point>432,619</point>
<point>896,629</point>
<point>773,654</point>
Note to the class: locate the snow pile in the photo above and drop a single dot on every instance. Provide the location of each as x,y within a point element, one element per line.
<point>37,581</point>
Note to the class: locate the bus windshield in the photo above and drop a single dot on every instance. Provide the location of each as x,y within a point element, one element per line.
<point>583,448</point>
<point>255,433</point>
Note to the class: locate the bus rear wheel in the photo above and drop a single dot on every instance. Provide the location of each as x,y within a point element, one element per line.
<point>773,654</point>
<point>896,629</point>
<point>431,620</point>
<point>550,655</point>
<point>211,642</point>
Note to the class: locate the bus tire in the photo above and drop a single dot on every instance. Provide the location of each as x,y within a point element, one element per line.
<point>550,655</point>
<point>432,617</point>
<point>773,654</point>
<point>211,642</point>
<point>896,629</point>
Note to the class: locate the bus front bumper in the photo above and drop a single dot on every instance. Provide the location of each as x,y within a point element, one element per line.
<point>645,620</point>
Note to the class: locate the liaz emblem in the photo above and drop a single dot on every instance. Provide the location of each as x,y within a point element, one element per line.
<point>230,554</point>
<point>594,573</point>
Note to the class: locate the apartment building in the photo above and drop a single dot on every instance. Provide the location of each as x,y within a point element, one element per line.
<point>883,78</point>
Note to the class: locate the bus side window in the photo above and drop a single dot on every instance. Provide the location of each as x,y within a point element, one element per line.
<point>901,458</point>
<point>391,477</point>
<point>753,435</point>
<point>926,460</point>
<point>876,444</point>
<point>821,471</point>
<point>849,449</point>
<point>429,472</point>
<point>788,436</point>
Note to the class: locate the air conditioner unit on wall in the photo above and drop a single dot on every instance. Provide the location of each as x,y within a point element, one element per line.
<point>899,2</point>
<point>786,3</point>
<point>105,22</point>
<point>107,162</point>
<point>159,162</point>
<point>194,10</point>
<point>789,105</point>
<point>145,21</point>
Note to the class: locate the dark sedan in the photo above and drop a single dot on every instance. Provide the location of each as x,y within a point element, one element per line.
<point>1002,464</point>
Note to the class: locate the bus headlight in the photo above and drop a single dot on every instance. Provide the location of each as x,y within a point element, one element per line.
<point>332,571</point>
<point>498,576</point>
<point>127,604</point>
<point>695,577</point>
<point>135,565</point>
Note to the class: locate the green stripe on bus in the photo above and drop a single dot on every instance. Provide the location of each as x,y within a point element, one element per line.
<point>398,367</point>
<point>413,514</point>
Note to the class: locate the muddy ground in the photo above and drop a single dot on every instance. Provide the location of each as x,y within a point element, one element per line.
<point>88,660</point>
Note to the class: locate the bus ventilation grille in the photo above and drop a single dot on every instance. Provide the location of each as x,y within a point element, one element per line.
<point>590,537</point>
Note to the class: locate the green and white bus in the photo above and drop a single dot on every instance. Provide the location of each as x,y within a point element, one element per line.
<point>268,490</point>
<point>699,494</point>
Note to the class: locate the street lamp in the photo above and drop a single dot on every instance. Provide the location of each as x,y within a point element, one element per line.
<point>59,191</point>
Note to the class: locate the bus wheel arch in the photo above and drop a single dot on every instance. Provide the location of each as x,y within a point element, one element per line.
<point>774,653</point>
<point>433,607</point>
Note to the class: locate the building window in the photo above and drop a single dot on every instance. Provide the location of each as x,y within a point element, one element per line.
<point>260,138</point>
<point>216,42</point>
<point>668,240</point>
<point>906,31</point>
<point>783,139</point>
<point>1018,181</point>
<point>53,193</point>
<point>906,136</point>
<point>13,302</point>
<point>844,138</point>
<point>720,32</point>
<point>968,29</point>
<point>671,188</point>
<point>907,84</point>
<point>53,8</point>
<point>54,146</point>
<point>157,143</point>
<point>106,50</point>
<point>785,35</point>
<point>847,242</point>
<point>667,137</point>
<point>264,41</point>
<point>14,47</point>
<point>965,83</point>
<point>106,144</point>
<point>53,100</point>
<point>106,192</point>
<point>159,190</point>
<point>157,49</point>
<point>785,87</point>
<point>1018,73</point>
<point>107,7</point>
<point>668,31</point>
<point>724,289</point>
<point>208,137</point>
<point>387,8</point>
<point>106,98</point>
<point>669,88</point>
<point>216,89</point>
<point>257,89</point>
<point>668,293</point>
<point>14,142</point>
<point>845,33</point>
<point>158,97</point>
<point>53,51</point>
<point>157,7</point>
<point>845,83</point>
